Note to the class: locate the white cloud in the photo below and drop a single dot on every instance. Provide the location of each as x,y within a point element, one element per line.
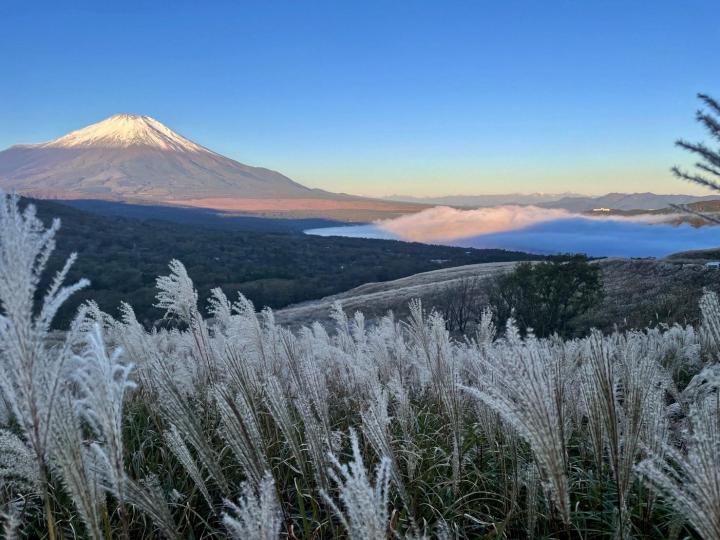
<point>443,224</point>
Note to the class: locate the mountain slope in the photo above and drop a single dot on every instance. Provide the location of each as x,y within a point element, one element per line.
<point>636,292</point>
<point>132,157</point>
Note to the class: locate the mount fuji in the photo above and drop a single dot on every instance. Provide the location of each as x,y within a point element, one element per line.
<point>133,158</point>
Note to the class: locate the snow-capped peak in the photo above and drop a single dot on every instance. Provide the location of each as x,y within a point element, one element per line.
<point>126,130</point>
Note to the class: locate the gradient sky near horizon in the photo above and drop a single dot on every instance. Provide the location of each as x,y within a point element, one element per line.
<point>376,97</point>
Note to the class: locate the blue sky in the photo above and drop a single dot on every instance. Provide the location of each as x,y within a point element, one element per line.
<point>420,98</point>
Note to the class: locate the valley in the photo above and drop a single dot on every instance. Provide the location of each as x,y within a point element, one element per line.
<point>269,260</point>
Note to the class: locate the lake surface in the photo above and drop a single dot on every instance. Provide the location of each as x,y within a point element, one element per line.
<point>595,237</point>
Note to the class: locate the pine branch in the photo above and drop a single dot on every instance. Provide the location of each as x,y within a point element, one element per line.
<point>696,179</point>
<point>708,169</point>
<point>710,123</point>
<point>710,102</point>
<point>700,149</point>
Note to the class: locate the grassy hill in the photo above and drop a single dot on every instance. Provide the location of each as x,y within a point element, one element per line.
<point>636,293</point>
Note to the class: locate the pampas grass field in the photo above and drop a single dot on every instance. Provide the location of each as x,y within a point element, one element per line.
<point>224,424</point>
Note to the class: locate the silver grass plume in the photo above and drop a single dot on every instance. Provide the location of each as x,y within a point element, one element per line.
<point>317,441</point>
<point>10,523</point>
<point>147,496</point>
<point>102,383</point>
<point>344,334</point>
<point>220,309</point>
<point>18,466</point>
<point>176,408</point>
<point>432,341</point>
<point>710,327</point>
<point>624,389</point>
<point>691,481</point>
<point>486,330</point>
<point>128,333</point>
<point>76,464</point>
<point>376,429</point>
<point>176,444</point>
<point>364,512</point>
<point>178,297</point>
<point>406,417</point>
<point>257,514</point>
<point>241,432</point>
<point>527,389</point>
<point>249,332</point>
<point>32,374</point>
<point>176,293</point>
<point>530,478</point>
<point>281,411</point>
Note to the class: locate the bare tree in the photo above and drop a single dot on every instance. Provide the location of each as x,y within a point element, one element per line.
<point>461,303</point>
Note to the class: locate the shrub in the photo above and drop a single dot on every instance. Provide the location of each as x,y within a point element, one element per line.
<point>547,296</point>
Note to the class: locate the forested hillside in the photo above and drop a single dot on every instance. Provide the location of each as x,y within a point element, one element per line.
<point>123,256</point>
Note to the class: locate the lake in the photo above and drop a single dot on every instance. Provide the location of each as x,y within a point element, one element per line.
<point>592,236</point>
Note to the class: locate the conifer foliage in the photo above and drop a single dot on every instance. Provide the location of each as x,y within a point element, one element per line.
<point>707,171</point>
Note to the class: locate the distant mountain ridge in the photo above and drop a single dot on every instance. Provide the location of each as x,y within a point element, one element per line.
<point>477,201</point>
<point>625,201</point>
<point>566,201</point>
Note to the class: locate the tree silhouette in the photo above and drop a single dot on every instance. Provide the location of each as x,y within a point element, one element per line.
<point>547,296</point>
<point>708,165</point>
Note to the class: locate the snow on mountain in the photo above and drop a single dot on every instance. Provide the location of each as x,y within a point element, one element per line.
<point>123,131</point>
<point>132,157</point>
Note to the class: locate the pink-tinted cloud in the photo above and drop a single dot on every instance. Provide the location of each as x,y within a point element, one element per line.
<point>443,224</point>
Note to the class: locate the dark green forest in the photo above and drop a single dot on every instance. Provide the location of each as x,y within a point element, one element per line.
<point>123,256</point>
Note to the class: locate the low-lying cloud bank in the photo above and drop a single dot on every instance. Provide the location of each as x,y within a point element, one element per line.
<point>538,230</point>
<point>443,224</point>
